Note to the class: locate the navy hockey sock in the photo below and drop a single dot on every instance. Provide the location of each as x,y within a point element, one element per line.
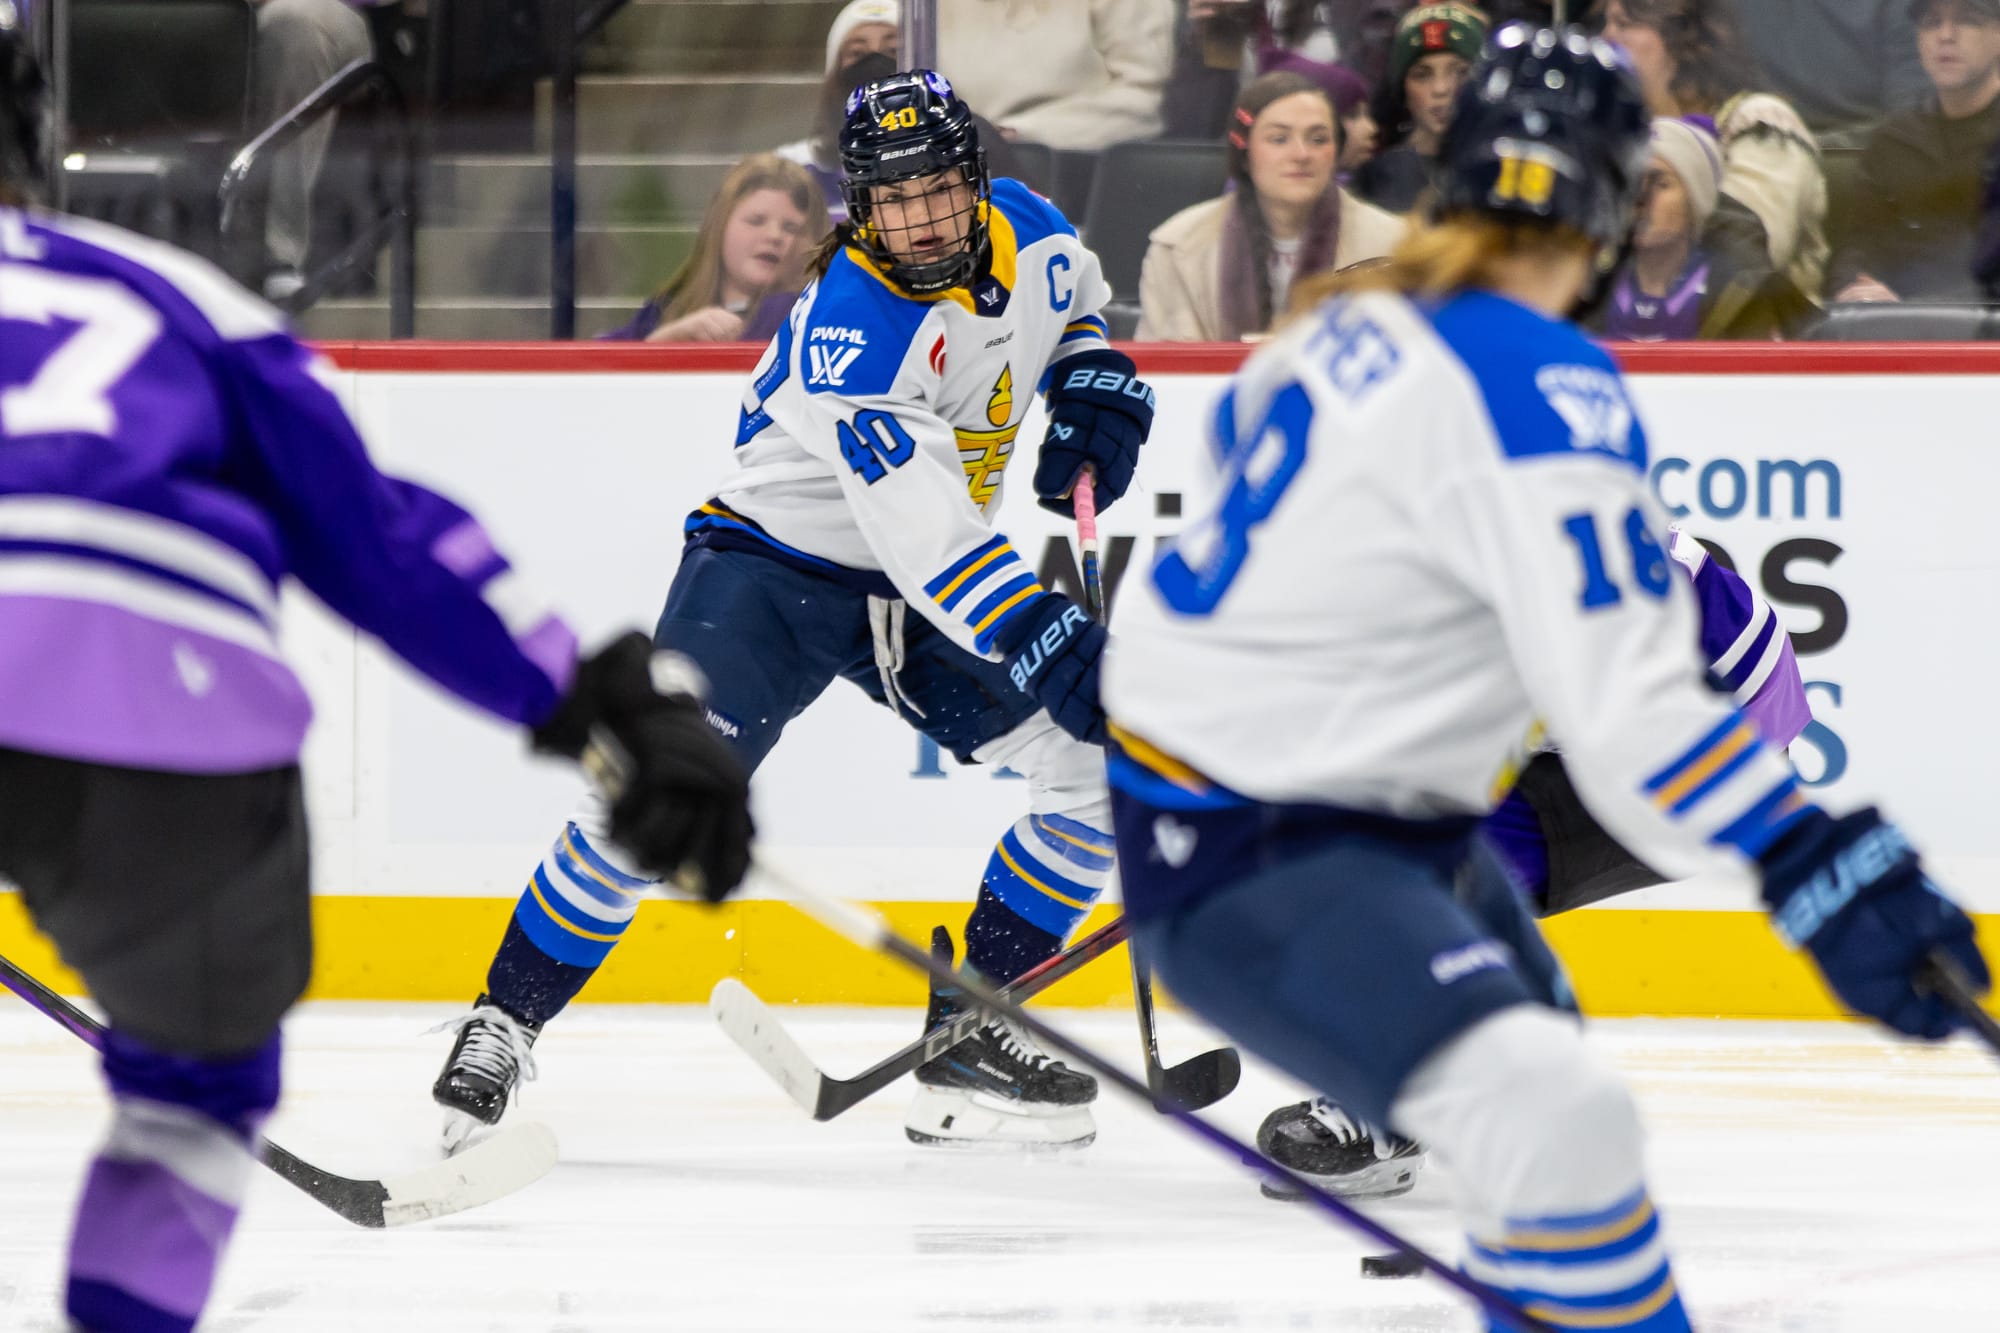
<point>576,907</point>
<point>1000,945</point>
<point>163,1194</point>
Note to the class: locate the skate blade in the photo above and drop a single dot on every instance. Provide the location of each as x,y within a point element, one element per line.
<point>461,1130</point>
<point>1384,1180</point>
<point>961,1120</point>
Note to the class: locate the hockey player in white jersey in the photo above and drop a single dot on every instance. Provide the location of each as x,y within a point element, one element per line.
<point>1560,858</point>
<point>853,539</point>
<point>1428,527</point>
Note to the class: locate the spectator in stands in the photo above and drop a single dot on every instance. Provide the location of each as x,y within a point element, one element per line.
<point>863,28</point>
<point>1351,103</point>
<point>1224,269</point>
<point>820,154</point>
<point>1690,59</point>
<point>1671,287</point>
<point>300,44</point>
<point>1842,64</point>
<point>1918,202</point>
<point>1435,45</point>
<point>748,263</point>
<point>1072,74</point>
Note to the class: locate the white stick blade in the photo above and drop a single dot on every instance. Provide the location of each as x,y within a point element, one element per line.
<point>750,1024</point>
<point>511,1160</point>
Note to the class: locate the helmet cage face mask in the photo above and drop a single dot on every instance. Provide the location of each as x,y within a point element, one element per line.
<point>907,128</point>
<point>924,210</point>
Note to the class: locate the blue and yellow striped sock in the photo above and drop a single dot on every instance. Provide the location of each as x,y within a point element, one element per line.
<point>1603,1270</point>
<point>1042,878</point>
<point>575,908</point>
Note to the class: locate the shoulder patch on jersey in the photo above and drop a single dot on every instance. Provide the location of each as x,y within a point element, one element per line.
<point>857,335</point>
<point>1548,389</point>
<point>1033,217</point>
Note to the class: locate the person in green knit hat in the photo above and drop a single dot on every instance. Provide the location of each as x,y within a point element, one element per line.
<point>1434,46</point>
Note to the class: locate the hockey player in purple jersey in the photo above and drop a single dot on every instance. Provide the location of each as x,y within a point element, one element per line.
<point>168,455</point>
<point>1561,858</point>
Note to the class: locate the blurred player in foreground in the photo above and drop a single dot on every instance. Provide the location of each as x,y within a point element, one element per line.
<point>869,457</point>
<point>1561,858</point>
<point>1302,762</point>
<point>168,454</point>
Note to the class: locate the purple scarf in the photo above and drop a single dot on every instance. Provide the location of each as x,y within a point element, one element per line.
<point>1238,268</point>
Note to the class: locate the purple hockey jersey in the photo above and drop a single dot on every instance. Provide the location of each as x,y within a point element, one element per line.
<point>1749,654</point>
<point>168,455</point>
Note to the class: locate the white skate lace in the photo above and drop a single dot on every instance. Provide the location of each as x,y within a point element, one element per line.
<point>495,1047</point>
<point>1344,1128</point>
<point>1019,1044</point>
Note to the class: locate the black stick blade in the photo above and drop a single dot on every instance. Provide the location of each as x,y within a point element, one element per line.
<point>1202,1081</point>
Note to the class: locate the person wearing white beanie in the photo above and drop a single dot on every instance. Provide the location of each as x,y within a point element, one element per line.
<point>1661,292</point>
<point>862,28</point>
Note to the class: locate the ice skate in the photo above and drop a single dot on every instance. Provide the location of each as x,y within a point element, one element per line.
<point>1338,1153</point>
<point>494,1053</point>
<point>998,1087</point>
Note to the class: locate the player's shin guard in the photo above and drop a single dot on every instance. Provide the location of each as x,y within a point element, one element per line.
<point>1545,1148</point>
<point>162,1196</point>
<point>1042,878</point>
<point>576,906</point>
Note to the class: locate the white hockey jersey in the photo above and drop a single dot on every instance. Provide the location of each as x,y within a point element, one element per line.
<point>875,436</point>
<point>1426,542</point>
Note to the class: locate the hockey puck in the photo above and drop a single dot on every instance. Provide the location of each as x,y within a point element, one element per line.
<point>1399,1264</point>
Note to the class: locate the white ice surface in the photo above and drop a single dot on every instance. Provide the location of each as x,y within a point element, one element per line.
<point>1813,1178</point>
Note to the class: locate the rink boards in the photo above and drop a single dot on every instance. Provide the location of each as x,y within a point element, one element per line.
<point>1853,485</point>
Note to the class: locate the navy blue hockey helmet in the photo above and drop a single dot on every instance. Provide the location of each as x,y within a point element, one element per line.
<point>1550,126</point>
<point>905,127</point>
<point>23,106</point>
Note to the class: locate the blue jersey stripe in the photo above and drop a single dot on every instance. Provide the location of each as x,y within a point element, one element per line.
<point>963,563</point>
<point>1693,754</point>
<point>1760,826</point>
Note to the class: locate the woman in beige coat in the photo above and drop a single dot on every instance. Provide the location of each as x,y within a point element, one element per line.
<point>1224,269</point>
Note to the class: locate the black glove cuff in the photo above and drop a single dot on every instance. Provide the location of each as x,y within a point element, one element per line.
<point>1815,871</point>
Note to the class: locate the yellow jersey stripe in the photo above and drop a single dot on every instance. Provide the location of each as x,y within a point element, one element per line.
<point>1698,772</point>
<point>996,553</point>
<point>1162,763</point>
<point>1034,590</point>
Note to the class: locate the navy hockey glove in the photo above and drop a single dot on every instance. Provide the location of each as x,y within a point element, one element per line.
<point>1099,415</point>
<point>1852,892</point>
<point>1054,652</point>
<point>680,800</point>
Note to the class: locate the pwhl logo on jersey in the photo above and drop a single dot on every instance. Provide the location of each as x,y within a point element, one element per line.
<point>830,364</point>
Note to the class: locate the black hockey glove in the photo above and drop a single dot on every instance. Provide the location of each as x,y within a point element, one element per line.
<point>1852,892</point>
<point>1054,652</point>
<point>680,800</point>
<point>1100,412</point>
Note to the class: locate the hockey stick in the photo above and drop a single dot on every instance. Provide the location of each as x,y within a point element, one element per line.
<point>870,931</point>
<point>751,1025</point>
<point>511,1160</point>
<point>1942,975</point>
<point>1209,1077</point>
